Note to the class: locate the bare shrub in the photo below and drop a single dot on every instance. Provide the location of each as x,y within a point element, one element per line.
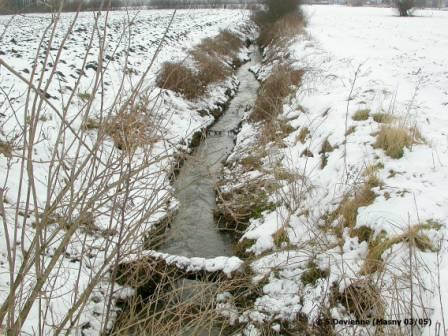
<point>78,209</point>
<point>279,22</point>
<point>179,305</point>
<point>172,305</point>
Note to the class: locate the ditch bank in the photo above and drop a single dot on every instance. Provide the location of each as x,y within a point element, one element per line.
<point>194,257</point>
<point>193,233</point>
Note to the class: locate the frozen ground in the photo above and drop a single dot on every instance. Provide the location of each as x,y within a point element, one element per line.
<point>130,42</point>
<point>394,65</point>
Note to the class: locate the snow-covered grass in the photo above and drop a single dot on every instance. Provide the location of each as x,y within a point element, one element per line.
<point>347,185</point>
<point>334,216</point>
<point>86,154</point>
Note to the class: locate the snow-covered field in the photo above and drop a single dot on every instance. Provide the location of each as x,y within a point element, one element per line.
<point>130,41</point>
<point>359,59</point>
<point>355,59</point>
<point>92,69</point>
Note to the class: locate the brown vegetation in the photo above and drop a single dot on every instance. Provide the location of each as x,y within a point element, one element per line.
<point>236,207</point>
<point>179,78</point>
<point>280,22</point>
<point>225,44</point>
<point>361,115</point>
<point>380,244</point>
<point>383,118</point>
<point>362,298</point>
<point>303,134</point>
<point>393,139</point>
<point>281,31</point>
<point>211,68</point>
<point>129,129</point>
<point>213,58</point>
<point>274,90</point>
<point>361,196</point>
<point>6,149</point>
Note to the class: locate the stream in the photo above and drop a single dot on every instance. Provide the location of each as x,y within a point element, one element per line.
<point>193,232</point>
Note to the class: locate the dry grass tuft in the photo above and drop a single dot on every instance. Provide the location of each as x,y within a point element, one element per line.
<point>307,153</point>
<point>383,118</point>
<point>281,237</point>
<point>281,173</point>
<point>348,209</point>
<point>211,68</point>
<point>363,299</point>
<point>236,207</point>
<point>393,140</point>
<point>361,115</point>
<point>225,44</point>
<point>274,90</point>
<point>413,236</point>
<point>251,163</point>
<point>313,273</point>
<point>179,78</point>
<point>131,129</point>
<point>212,57</point>
<point>350,130</point>
<point>275,131</point>
<point>241,248</point>
<point>303,134</point>
<point>325,149</point>
<point>6,149</point>
<point>364,233</point>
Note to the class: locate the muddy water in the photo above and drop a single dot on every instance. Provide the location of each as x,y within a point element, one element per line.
<point>193,232</point>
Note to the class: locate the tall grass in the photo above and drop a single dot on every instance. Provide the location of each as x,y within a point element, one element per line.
<point>274,90</point>
<point>280,22</point>
<point>212,61</point>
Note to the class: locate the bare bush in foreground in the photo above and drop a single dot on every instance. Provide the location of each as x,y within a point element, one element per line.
<point>77,200</point>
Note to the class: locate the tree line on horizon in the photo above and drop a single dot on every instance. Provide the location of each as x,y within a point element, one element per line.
<point>12,6</point>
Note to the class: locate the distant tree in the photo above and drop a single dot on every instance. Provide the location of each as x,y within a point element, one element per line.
<point>278,8</point>
<point>404,6</point>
